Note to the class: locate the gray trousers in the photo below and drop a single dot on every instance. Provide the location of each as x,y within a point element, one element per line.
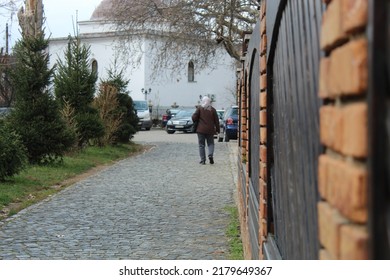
<point>202,138</point>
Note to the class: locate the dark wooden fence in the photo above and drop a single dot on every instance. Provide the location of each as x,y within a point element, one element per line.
<point>379,129</point>
<point>253,154</point>
<point>293,32</point>
<point>293,144</point>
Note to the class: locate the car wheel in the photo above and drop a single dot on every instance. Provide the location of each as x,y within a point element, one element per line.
<point>170,131</point>
<point>220,139</point>
<point>147,128</point>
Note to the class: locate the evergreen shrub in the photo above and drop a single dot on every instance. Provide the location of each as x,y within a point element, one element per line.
<point>36,116</point>
<point>12,152</point>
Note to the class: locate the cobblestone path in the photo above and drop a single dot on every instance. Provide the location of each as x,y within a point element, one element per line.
<point>158,205</point>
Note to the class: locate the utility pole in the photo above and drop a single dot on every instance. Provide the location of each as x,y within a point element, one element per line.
<point>6,39</point>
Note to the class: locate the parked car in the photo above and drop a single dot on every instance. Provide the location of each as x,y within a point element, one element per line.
<point>170,113</point>
<point>144,117</point>
<point>220,114</point>
<point>229,125</point>
<point>5,111</point>
<point>182,121</point>
<point>220,117</point>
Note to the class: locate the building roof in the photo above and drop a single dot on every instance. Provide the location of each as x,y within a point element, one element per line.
<point>104,10</point>
<point>108,9</point>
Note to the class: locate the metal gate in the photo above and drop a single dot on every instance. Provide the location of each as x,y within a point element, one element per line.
<point>293,54</point>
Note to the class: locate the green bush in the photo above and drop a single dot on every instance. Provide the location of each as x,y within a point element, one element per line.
<point>130,119</point>
<point>124,132</point>
<point>12,153</point>
<point>89,127</point>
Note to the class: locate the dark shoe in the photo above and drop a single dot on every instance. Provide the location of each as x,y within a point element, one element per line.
<point>211,159</point>
<point>202,162</point>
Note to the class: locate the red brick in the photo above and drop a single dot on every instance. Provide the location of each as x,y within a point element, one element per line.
<point>346,188</point>
<point>263,82</point>
<point>263,117</point>
<point>355,15</point>
<point>263,135</point>
<point>323,78</point>
<point>263,26</point>
<point>331,28</point>
<point>263,64</point>
<point>263,189</point>
<point>263,208</point>
<point>345,129</point>
<point>355,134</point>
<point>263,153</point>
<point>323,163</point>
<point>263,226</point>
<point>330,222</point>
<point>331,127</point>
<point>348,73</point>
<point>353,242</point>
<point>263,99</point>
<point>263,45</point>
<point>263,172</point>
<point>352,195</point>
<point>263,9</point>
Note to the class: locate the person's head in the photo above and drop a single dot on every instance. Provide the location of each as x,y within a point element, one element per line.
<point>206,102</point>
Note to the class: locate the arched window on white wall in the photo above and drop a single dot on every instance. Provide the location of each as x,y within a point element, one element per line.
<point>191,72</point>
<point>94,66</point>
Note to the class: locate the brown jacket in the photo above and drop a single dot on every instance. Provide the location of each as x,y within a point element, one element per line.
<point>208,120</point>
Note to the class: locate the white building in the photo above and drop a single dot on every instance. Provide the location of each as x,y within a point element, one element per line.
<point>183,90</point>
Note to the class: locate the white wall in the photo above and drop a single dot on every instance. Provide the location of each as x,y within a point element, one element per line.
<point>166,89</point>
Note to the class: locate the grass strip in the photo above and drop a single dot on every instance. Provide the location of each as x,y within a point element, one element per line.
<point>234,235</point>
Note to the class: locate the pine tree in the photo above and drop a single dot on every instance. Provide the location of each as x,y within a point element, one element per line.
<point>36,117</point>
<point>75,84</point>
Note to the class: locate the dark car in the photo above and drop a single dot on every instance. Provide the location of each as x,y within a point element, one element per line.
<point>229,125</point>
<point>182,121</point>
<point>170,113</point>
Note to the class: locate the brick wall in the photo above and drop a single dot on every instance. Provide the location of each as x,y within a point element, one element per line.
<point>263,230</point>
<point>342,171</point>
<point>244,145</point>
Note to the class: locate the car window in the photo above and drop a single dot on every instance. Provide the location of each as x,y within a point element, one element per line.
<point>233,111</point>
<point>140,105</point>
<point>174,112</point>
<point>184,114</point>
<point>220,113</point>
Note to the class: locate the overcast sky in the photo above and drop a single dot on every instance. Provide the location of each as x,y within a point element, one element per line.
<point>60,16</point>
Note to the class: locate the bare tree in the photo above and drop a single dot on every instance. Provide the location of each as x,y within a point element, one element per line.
<point>6,96</point>
<point>191,29</point>
<point>31,18</point>
<point>8,9</point>
<point>9,5</point>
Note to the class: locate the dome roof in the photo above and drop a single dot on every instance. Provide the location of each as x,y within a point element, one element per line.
<point>107,8</point>
<point>104,10</point>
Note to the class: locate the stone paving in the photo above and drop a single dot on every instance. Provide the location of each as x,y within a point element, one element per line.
<point>158,205</point>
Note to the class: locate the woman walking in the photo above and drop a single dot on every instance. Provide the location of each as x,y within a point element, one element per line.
<point>208,126</point>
